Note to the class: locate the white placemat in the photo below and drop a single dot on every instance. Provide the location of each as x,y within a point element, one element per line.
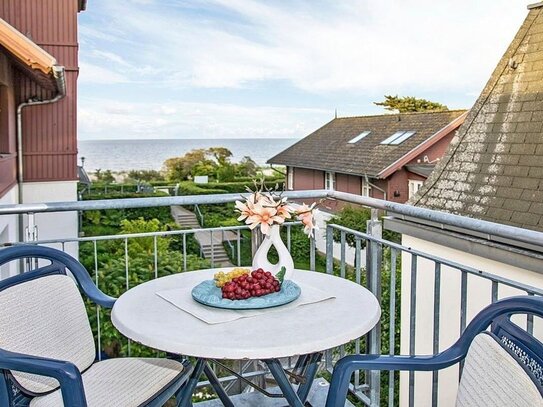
<point>182,299</point>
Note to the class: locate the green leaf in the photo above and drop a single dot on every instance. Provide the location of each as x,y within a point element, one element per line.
<point>281,275</point>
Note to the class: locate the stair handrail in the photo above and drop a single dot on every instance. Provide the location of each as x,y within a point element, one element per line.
<point>199,215</point>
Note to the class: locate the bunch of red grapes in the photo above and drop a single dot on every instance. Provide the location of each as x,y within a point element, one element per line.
<point>255,284</point>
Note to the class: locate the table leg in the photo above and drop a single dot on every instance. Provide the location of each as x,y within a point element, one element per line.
<point>184,399</point>
<point>309,375</point>
<point>214,381</point>
<point>282,381</point>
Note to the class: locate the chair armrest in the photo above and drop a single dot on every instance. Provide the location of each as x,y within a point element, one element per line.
<point>67,374</point>
<point>94,293</point>
<point>345,367</point>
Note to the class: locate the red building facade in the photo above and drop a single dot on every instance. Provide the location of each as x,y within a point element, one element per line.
<point>49,132</point>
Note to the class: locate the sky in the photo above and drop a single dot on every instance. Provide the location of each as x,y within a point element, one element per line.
<point>171,69</point>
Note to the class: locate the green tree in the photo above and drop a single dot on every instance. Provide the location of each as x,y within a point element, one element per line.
<point>146,175</point>
<point>104,176</point>
<point>410,104</point>
<point>144,245</point>
<point>221,154</point>
<point>247,167</point>
<point>179,168</point>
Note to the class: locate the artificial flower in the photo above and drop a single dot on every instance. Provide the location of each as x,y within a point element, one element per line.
<point>306,214</point>
<point>265,217</point>
<point>268,208</point>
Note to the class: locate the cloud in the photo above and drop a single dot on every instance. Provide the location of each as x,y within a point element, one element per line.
<point>99,119</point>
<point>247,68</point>
<point>318,47</point>
<point>94,74</point>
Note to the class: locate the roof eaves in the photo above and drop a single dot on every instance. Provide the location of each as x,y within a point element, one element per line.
<point>334,170</point>
<point>26,51</point>
<point>32,58</point>
<point>429,142</point>
<point>82,5</point>
<point>535,5</point>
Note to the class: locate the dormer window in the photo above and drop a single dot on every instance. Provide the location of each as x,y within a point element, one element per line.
<point>359,137</point>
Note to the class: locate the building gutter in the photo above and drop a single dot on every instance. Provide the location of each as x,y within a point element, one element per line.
<point>276,170</point>
<point>375,186</point>
<point>60,80</point>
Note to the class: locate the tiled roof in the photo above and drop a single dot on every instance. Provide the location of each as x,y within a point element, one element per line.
<point>493,169</point>
<point>329,149</point>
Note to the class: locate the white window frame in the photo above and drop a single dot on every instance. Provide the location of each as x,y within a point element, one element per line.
<point>330,181</point>
<point>414,186</point>
<point>398,138</point>
<point>359,137</point>
<point>290,178</point>
<point>366,189</point>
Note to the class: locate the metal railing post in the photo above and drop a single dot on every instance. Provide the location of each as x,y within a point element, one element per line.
<point>329,270</point>
<point>374,252</point>
<point>30,235</point>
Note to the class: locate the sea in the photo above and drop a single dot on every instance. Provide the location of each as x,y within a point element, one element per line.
<point>124,155</point>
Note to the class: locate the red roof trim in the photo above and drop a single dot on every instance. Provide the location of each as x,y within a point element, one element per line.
<point>456,123</point>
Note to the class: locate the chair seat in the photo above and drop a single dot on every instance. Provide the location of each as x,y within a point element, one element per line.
<point>127,382</point>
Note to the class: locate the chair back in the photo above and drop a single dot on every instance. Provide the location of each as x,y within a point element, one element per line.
<point>43,314</point>
<point>503,367</point>
<point>494,376</point>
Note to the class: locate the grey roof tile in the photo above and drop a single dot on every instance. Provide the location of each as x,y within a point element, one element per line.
<point>498,163</point>
<point>328,148</point>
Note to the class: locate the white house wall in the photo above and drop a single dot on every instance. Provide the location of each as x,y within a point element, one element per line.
<point>479,295</point>
<point>56,225</point>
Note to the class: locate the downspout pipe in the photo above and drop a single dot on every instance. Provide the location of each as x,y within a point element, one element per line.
<point>60,79</point>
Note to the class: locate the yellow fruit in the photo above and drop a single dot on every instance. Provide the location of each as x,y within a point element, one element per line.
<point>222,278</point>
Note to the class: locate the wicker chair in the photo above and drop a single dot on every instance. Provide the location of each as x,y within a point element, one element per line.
<point>503,367</point>
<point>47,350</point>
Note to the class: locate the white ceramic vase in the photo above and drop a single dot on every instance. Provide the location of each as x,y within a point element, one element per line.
<point>285,259</point>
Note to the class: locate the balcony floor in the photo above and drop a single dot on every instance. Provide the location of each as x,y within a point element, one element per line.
<point>317,398</point>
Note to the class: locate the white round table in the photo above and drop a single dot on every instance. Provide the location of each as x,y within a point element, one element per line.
<point>141,315</point>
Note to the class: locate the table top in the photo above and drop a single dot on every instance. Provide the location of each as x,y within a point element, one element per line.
<point>141,315</point>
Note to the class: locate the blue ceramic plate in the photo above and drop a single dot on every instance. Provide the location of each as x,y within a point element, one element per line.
<point>208,293</point>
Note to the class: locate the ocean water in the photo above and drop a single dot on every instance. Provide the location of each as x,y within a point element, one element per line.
<point>119,155</point>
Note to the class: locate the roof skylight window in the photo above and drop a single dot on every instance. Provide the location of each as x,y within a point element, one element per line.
<point>359,137</point>
<point>398,138</point>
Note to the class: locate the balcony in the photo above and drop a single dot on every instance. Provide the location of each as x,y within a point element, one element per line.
<point>427,297</point>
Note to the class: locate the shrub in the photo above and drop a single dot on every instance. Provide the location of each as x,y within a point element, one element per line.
<point>357,219</point>
<point>190,188</point>
<point>114,276</point>
<point>352,218</point>
<point>239,186</point>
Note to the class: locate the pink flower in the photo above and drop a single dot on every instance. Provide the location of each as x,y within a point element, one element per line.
<point>306,214</point>
<point>246,209</point>
<point>265,217</point>
<point>284,211</point>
